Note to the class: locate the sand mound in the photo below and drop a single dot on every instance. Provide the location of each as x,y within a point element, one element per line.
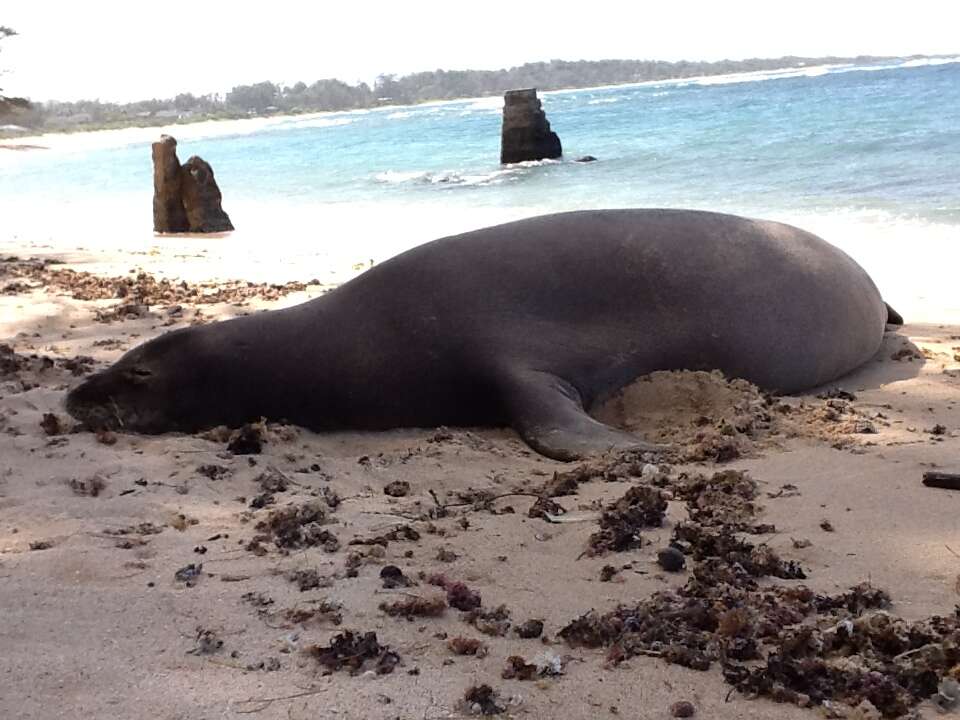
<point>708,417</point>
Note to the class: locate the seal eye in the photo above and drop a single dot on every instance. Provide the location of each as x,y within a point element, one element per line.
<point>138,374</point>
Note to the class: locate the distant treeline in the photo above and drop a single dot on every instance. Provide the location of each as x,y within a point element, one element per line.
<point>267,98</point>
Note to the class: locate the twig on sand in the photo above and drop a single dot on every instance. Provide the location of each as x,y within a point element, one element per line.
<point>482,500</point>
<point>267,702</point>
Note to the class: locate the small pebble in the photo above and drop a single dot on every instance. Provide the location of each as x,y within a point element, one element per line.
<point>682,709</point>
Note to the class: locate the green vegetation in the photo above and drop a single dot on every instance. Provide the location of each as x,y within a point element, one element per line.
<point>266,98</point>
<point>8,104</point>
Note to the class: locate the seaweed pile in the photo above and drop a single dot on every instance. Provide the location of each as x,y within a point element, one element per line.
<point>782,641</point>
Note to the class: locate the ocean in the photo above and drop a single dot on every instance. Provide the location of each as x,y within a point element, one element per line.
<point>867,156</point>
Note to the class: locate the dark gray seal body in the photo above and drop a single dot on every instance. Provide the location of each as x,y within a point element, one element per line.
<point>524,324</point>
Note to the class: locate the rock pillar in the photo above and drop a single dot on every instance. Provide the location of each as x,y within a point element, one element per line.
<point>526,134</point>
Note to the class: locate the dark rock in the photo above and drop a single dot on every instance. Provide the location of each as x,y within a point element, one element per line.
<point>526,133</point>
<point>671,559</point>
<point>185,198</point>
<point>202,198</point>
<point>168,213</point>
<point>586,158</point>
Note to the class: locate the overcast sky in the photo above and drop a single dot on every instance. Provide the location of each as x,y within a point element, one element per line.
<point>133,50</point>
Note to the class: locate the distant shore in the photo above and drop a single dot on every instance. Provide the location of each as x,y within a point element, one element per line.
<point>163,119</point>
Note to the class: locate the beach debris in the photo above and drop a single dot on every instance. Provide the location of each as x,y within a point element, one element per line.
<point>519,669</point>
<point>494,622</point>
<point>355,652</point>
<point>525,134</point>
<point>51,424</point>
<point>826,525</point>
<point>608,573</point>
<point>530,629</point>
<point>682,709</point>
<point>671,559</point>
<point>248,440</point>
<point>837,394</point>
<point>106,437</point>
<point>308,579</point>
<point>908,353</point>
<point>459,596</point>
<point>272,480</point>
<point>943,480</point>
<point>398,533</point>
<point>415,606</point>
<point>294,527</point>
<point>397,488</point>
<point>88,487</point>
<point>546,509</point>
<point>41,544</point>
<point>208,642</point>
<point>393,577</point>
<point>640,507</point>
<point>213,472</point>
<point>482,700</point>
<point>323,611</point>
<point>190,574</point>
<point>467,646</point>
<point>446,555</point>
<point>257,599</point>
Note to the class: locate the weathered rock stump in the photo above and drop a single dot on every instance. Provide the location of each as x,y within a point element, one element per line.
<point>168,213</point>
<point>202,198</point>
<point>185,197</point>
<point>526,133</point>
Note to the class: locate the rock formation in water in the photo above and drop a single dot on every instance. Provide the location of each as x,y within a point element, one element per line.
<point>185,197</point>
<point>201,198</point>
<point>526,134</point>
<point>168,213</point>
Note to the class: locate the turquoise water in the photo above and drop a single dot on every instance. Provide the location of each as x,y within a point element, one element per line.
<point>882,139</point>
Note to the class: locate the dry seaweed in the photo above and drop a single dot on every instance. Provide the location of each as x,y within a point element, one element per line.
<point>397,488</point>
<point>415,606</point>
<point>294,527</point>
<point>640,507</point>
<point>400,532</point>
<point>90,487</point>
<point>482,700</point>
<point>494,622</point>
<point>355,652</point>
<point>529,629</point>
<point>519,669</point>
<point>459,596</point>
<point>467,646</point>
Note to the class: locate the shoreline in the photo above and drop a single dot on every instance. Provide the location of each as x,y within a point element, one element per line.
<point>230,125</point>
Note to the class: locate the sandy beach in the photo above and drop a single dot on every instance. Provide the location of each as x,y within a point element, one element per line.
<point>104,617</point>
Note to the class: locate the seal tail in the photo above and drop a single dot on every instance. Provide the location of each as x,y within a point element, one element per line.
<point>893,317</point>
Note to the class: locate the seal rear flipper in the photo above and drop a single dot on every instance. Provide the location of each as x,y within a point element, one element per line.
<point>548,414</point>
<point>893,317</point>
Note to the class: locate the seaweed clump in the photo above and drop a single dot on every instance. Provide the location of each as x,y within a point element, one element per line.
<point>355,652</point>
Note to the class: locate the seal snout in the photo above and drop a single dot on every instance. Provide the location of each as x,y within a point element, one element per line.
<point>89,404</point>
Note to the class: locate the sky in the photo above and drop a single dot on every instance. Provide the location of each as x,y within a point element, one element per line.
<point>123,51</point>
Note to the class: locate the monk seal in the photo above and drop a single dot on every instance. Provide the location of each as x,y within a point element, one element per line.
<point>526,324</point>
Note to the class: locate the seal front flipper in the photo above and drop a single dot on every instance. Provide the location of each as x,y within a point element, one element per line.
<point>548,413</point>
